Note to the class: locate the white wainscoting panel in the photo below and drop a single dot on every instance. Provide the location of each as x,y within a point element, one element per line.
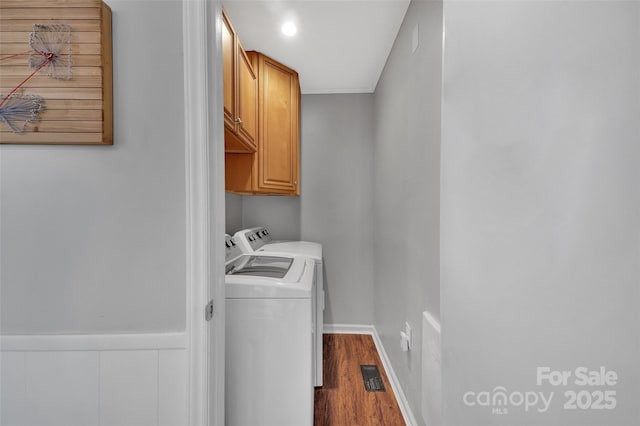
<point>62,388</point>
<point>129,388</point>
<point>108,382</point>
<point>13,387</point>
<point>172,387</point>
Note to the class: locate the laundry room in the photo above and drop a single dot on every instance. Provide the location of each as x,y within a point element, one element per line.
<point>438,188</point>
<point>459,197</point>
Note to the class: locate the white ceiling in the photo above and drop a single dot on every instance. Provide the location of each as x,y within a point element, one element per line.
<point>341,45</point>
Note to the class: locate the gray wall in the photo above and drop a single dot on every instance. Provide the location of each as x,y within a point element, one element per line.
<point>93,238</point>
<point>540,205</point>
<point>233,213</point>
<point>407,190</point>
<point>280,213</point>
<point>335,205</point>
<point>336,201</point>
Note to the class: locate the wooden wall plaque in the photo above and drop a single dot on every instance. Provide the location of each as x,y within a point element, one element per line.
<point>73,80</point>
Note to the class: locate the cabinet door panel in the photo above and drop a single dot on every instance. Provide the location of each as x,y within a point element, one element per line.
<point>228,70</point>
<point>240,93</point>
<point>248,99</point>
<point>278,150</point>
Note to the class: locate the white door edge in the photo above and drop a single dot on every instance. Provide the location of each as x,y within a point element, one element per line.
<point>204,156</point>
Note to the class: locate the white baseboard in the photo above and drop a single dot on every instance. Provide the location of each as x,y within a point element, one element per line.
<point>403,403</point>
<point>348,329</point>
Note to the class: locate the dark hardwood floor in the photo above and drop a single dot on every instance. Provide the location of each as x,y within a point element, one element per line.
<point>343,399</point>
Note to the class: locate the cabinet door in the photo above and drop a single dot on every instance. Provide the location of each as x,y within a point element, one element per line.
<point>240,93</point>
<point>279,138</point>
<point>247,99</point>
<point>229,74</point>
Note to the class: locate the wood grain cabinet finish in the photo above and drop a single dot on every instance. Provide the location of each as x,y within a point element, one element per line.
<point>240,93</point>
<point>274,168</point>
<point>77,107</point>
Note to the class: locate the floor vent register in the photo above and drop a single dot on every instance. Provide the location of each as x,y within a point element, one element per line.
<point>372,379</point>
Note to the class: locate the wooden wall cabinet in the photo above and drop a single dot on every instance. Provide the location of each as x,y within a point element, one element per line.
<point>274,168</point>
<point>240,93</point>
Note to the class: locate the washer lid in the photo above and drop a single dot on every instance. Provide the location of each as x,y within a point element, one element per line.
<point>298,248</point>
<point>260,266</point>
<point>298,282</point>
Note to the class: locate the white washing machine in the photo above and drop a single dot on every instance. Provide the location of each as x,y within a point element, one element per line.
<point>270,327</point>
<point>258,240</point>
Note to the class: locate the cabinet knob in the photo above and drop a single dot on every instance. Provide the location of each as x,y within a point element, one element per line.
<point>239,121</point>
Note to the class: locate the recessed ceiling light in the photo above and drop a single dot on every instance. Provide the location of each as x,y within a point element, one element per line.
<point>289,29</point>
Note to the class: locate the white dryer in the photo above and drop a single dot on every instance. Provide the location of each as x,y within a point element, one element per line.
<point>258,240</point>
<point>270,315</point>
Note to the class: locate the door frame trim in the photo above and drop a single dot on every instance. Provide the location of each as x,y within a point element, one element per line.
<point>205,209</point>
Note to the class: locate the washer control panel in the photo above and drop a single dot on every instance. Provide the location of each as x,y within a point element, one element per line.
<point>253,238</point>
<point>231,248</point>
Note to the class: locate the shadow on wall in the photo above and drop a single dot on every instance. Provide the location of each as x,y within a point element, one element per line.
<point>280,213</point>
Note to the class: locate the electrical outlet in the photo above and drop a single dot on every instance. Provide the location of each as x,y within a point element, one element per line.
<point>405,338</point>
